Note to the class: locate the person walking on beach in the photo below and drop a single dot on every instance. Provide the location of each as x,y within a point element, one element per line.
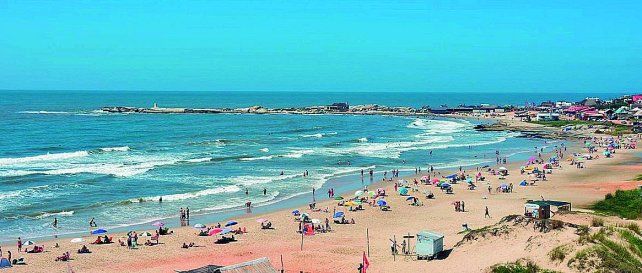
<point>463,206</point>
<point>487,214</point>
<point>19,244</point>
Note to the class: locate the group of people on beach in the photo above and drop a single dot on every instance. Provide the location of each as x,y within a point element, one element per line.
<point>184,216</point>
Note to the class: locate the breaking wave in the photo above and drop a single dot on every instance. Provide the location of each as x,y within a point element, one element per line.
<point>190,195</point>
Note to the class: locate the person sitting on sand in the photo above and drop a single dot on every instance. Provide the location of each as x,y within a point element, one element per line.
<point>352,221</point>
<point>98,241</point>
<point>83,250</point>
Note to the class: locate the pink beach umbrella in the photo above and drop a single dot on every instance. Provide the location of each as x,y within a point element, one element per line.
<point>215,231</point>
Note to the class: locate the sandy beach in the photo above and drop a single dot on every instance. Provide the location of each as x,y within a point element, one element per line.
<point>341,250</point>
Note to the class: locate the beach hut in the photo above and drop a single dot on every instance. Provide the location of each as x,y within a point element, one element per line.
<point>429,244</point>
<point>537,210</point>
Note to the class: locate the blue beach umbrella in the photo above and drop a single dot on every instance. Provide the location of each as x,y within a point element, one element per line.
<point>452,176</point>
<point>338,214</point>
<point>225,231</point>
<point>296,211</point>
<point>444,185</point>
<point>231,223</point>
<point>98,231</point>
<point>382,202</point>
<point>410,198</point>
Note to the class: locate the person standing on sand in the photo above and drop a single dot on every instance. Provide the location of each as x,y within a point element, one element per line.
<point>487,214</point>
<point>19,244</point>
<point>489,189</point>
<point>463,206</point>
<point>187,213</point>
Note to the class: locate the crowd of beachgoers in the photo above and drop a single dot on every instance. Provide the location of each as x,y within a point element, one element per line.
<point>467,190</point>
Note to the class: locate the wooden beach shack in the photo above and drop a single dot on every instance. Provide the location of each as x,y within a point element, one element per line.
<point>541,209</point>
<point>429,244</point>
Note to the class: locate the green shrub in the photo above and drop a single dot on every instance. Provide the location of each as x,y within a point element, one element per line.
<point>626,204</point>
<point>597,222</point>
<point>559,253</point>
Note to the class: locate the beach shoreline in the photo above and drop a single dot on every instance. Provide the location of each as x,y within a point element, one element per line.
<point>279,217</point>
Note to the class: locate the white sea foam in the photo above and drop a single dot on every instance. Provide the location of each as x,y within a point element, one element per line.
<point>297,153</point>
<point>363,139</point>
<point>55,214</point>
<point>115,149</point>
<point>436,126</point>
<point>267,157</point>
<point>248,180</point>
<point>45,112</point>
<point>265,150</point>
<point>114,169</point>
<point>190,195</point>
<point>319,135</point>
<point>45,157</point>
<point>199,160</point>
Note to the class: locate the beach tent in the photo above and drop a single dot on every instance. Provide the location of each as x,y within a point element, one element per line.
<point>338,214</point>
<point>98,231</point>
<point>403,191</point>
<point>5,263</point>
<point>523,183</point>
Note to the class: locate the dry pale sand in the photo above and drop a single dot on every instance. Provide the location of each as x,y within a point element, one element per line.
<point>342,249</point>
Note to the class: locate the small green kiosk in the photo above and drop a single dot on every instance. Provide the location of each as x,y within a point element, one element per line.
<point>429,244</point>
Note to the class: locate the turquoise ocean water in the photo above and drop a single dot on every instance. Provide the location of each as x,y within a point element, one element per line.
<point>60,158</point>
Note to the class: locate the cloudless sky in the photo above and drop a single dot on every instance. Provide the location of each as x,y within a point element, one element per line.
<point>481,46</point>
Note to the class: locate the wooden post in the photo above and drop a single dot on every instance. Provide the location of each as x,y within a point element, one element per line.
<point>282,268</point>
<point>394,242</point>
<point>368,241</point>
<point>302,238</point>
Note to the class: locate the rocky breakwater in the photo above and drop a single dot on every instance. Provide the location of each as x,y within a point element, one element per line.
<point>527,130</point>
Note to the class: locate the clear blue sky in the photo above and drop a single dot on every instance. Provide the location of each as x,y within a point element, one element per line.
<point>322,45</point>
